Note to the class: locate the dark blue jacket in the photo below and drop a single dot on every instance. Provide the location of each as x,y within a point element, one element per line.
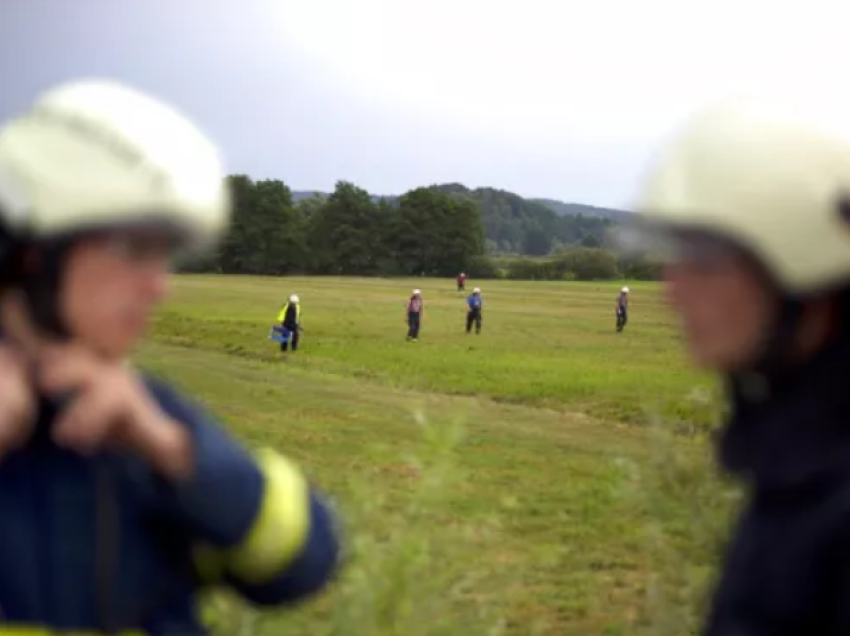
<point>786,570</point>
<point>103,544</point>
<point>474,302</point>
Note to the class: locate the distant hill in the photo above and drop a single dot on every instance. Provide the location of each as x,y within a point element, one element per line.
<point>558,207</point>
<point>561,208</point>
<point>514,224</point>
<point>300,195</point>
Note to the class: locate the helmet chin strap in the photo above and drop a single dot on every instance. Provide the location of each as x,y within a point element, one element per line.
<point>41,289</point>
<point>774,355</point>
<point>778,348</point>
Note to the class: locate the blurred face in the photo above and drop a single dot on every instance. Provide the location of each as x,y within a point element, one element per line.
<point>112,283</point>
<point>725,307</point>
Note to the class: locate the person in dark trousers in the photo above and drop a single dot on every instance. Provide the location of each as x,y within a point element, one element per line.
<point>122,501</point>
<point>461,281</point>
<point>749,209</point>
<point>622,308</point>
<point>474,306</point>
<point>415,309</point>
<point>289,318</point>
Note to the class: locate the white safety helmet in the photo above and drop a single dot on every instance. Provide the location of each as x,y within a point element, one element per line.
<point>775,182</point>
<point>417,292</point>
<point>294,299</point>
<point>477,290</point>
<point>624,290</point>
<point>97,155</point>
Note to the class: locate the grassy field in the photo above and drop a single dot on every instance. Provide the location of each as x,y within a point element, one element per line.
<point>549,476</point>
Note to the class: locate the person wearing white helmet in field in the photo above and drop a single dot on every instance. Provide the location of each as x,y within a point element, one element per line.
<point>119,497</point>
<point>622,308</point>
<point>415,309</point>
<point>749,208</point>
<point>289,318</point>
<point>474,311</point>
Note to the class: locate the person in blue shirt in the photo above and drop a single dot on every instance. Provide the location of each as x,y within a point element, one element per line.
<point>474,306</point>
<point>120,498</point>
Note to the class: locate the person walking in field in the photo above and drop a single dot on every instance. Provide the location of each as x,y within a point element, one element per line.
<point>474,306</point>
<point>461,282</point>
<point>415,309</point>
<point>121,499</point>
<point>749,208</point>
<point>289,318</point>
<point>622,308</point>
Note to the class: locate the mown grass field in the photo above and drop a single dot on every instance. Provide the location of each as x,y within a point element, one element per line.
<point>549,476</point>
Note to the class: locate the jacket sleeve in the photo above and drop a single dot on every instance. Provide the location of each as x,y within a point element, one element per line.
<point>260,525</point>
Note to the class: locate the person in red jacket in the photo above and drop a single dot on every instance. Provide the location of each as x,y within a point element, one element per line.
<point>461,281</point>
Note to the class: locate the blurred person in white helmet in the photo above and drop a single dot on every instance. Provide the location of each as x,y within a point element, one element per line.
<point>120,499</point>
<point>413,315</point>
<point>749,209</point>
<point>289,318</point>
<point>474,311</point>
<point>622,309</point>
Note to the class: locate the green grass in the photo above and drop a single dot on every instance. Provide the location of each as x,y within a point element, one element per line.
<point>547,477</point>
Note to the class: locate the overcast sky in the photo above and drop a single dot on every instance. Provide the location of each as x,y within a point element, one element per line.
<point>552,98</point>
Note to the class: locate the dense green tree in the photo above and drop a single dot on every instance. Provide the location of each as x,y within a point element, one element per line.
<point>346,233</point>
<point>280,247</point>
<point>435,233</point>
<point>235,254</point>
<point>267,232</point>
<point>310,206</point>
<point>537,241</point>
<point>590,240</point>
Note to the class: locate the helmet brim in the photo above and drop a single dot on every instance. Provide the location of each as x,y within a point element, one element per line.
<point>667,243</point>
<point>183,239</point>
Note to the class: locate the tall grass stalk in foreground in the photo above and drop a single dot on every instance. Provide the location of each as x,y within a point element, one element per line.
<point>689,506</point>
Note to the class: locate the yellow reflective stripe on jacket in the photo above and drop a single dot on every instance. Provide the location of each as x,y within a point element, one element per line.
<point>14,630</point>
<point>282,315</point>
<point>278,533</point>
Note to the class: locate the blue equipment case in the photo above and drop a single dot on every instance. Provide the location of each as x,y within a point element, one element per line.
<point>279,334</point>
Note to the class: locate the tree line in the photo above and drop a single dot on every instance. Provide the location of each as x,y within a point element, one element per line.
<point>428,231</point>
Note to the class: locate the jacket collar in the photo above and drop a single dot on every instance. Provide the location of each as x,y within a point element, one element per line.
<point>789,430</point>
